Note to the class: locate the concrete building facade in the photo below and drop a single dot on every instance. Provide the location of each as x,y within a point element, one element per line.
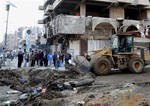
<point>12,41</point>
<point>86,25</point>
<point>29,37</point>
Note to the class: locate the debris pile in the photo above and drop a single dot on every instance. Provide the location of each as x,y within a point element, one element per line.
<point>46,87</point>
<point>43,84</point>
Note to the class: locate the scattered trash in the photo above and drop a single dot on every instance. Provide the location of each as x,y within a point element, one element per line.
<point>81,103</point>
<point>96,105</point>
<point>44,90</point>
<point>13,92</point>
<point>39,89</point>
<point>23,97</point>
<point>9,102</point>
<point>35,91</point>
<point>82,83</point>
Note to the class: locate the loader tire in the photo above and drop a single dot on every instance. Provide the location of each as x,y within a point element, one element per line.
<point>102,66</point>
<point>136,65</point>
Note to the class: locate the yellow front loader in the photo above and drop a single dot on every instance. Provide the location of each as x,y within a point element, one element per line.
<point>123,55</point>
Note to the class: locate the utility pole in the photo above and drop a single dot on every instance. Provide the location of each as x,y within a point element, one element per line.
<point>7,9</point>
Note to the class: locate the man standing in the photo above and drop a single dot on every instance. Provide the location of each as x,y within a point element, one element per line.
<point>67,58</point>
<point>58,60</point>
<point>20,58</point>
<point>36,57</point>
<point>26,59</point>
<point>50,59</point>
<point>45,61</point>
<point>54,59</point>
<point>40,58</point>
<point>32,58</point>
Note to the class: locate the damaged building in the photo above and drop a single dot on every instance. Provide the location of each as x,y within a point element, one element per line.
<point>86,25</point>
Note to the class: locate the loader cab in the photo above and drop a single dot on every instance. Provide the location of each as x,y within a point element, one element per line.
<point>122,44</point>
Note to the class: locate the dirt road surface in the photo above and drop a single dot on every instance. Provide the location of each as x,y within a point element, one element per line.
<point>116,89</point>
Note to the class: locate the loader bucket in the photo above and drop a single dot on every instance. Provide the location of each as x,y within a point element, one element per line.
<point>82,63</point>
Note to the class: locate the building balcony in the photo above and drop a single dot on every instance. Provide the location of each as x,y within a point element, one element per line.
<point>44,20</point>
<point>132,2</point>
<point>46,2</point>
<point>41,21</point>
<point>65,24</point>
<point>48,8</point>
<point>57,3</point>
<point>114,1</point>
<point>140,2</point>
<point>41,7</point>
<point>125,1</point>
<point>143,2</point>
<point>147,7</point>
<point>47,13</point>
<point>110,1</point>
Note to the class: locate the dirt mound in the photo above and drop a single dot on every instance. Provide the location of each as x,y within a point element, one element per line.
<point>34,78</point>
<point>9,77</point>
<point>27,81</point>
<point>65,88</point>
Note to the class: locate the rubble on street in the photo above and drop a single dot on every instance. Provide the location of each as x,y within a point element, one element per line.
<point>47,87</point>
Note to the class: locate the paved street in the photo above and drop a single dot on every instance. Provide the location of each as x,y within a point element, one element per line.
<point>13,65</point>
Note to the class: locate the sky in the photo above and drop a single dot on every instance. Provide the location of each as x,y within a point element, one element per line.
<point>26,14</point>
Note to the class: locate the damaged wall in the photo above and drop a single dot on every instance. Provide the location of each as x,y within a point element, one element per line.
<point>99,29</point>
<point>116,12</point>
<point>64,24</point>
<point>98,44</point>
<point>98,20</point>
<point>75,46</point>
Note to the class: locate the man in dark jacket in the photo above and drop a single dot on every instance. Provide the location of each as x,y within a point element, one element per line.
<point>67,57</point>
<point>20,58</point>
<point>54,59</point>
<point>40,58</point>
<point>57,58</point>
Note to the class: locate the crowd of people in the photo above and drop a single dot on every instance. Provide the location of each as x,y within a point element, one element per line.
<point>42,58</point>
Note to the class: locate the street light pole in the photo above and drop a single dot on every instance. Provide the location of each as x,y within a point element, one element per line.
<point>7,9</point>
